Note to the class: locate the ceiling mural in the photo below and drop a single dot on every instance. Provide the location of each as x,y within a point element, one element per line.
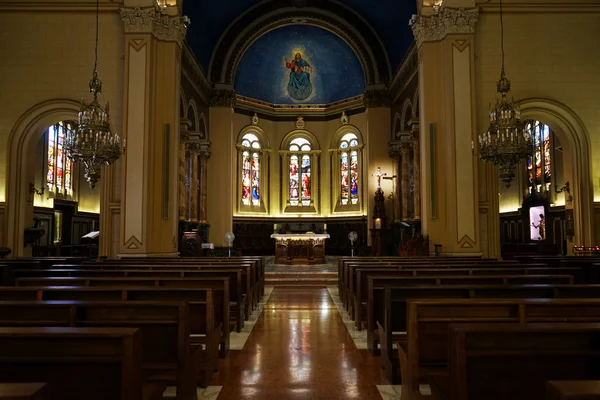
<point>299,64</point>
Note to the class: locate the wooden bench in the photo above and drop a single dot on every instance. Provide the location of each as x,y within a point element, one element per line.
<point>425,353</point>
<point>499,361</point>
<point>105,361</point>
<point>23,391</point>
<point>216,279</point>
<point>168,358</point>
<point>206,305</point>
<point>572,390</point>
<point>463,276</point>
<point>391,318</point>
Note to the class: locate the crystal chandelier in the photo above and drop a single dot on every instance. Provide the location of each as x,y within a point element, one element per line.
<point>506,142</point>
<point>91,142</point>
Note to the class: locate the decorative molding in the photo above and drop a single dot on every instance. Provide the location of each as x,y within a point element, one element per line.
<point>376,98</point>
<point>405,73</point>
<point>195,74</point>
<point>447,22</point>
<point>163,27</point>
<point>223,98</point>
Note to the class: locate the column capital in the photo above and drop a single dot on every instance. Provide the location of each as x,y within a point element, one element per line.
<point>223,98</point>
<point>446,22</point>
<point>376,98</point>
<point>149,20</point>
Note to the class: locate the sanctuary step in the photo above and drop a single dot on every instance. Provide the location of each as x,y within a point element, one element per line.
<point>301,274</point>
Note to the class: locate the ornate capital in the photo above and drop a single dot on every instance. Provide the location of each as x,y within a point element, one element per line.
<point>446,22</point>
<point>376,98</point>
<point>394,149</point>
<point>223,98</point>
<point>163,27</point>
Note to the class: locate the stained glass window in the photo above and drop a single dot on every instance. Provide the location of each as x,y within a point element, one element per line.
<point>349,169</point>
<point>250,170</point>
<point>300,172</point>
<point>59,174</point>
<point>539,167</point>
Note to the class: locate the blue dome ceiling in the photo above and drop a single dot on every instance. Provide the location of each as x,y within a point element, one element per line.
<point>210,19</point>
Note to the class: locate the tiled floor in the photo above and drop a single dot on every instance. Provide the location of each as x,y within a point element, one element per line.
<point>299,348</point>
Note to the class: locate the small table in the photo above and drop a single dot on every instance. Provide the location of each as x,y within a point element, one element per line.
<point>573,390</point>
<point>23,391</point>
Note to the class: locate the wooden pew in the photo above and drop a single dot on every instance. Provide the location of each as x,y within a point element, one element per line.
<point>514,361</point>
<point>425,353</point>
<point>168,358</point>
<point>358,294</point>
<point>349,271</point>
<point>105,361</point>
<point>248,277</point>
<point>390,307</point>
<point>206,305</point>
<point>143,277</point>
<point>573,390</point>
<point>24,391</point>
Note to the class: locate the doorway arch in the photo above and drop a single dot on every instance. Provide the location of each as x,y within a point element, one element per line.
<point>574,136</point>
<point>21,143</point>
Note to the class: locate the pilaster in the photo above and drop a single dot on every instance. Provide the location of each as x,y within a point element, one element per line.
<point>416,149</point>
<point>150,163</point>
<point>220,169</point>
<point>450,200</point>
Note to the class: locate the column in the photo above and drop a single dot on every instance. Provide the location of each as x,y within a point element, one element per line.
<point>221,179</point>
<point>203,156</point>
<point>151,122</point>
<point>405,178</point>
<point>450,204</point>
<point>416,148</point>
<point>194,184</point>
<point>183,137</point>
<point>394,154</point>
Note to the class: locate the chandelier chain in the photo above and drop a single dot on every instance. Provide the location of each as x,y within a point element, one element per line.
<point>502,35</point>
<point>97,29</point>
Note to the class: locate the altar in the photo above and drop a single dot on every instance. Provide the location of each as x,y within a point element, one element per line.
<point>300,248</point>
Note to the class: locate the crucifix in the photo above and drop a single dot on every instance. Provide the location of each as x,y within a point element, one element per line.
<point>378,174</point>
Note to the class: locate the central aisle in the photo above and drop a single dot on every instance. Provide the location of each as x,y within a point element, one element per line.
<point>299,349</point>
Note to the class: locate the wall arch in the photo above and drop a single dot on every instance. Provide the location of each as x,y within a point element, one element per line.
<point>407,114</point>
<point>192,115</point>
<point>21,142</point>
<point>203,125</point>
<point>285,142</point>
<point>396,126</point>
<point>258,131</point>
<point>341,131</point>
<point>574,136</point>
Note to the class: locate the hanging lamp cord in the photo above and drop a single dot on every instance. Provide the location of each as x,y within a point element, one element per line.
<point>502,34</point>
<point>97,23</point>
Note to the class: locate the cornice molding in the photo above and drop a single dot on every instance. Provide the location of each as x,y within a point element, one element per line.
<point>405,73</point>
<point>195,74</point>
<point>223,98</point>
<point>447,22</point>
<point>163,27</point>
<point>377,98</point>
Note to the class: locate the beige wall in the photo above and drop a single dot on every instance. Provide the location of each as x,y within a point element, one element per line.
<point>549,55</point>
<point>48,55</point>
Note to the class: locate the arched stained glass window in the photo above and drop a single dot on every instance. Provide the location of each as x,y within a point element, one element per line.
<point>539,167</point>
<point>59,173</point>
<point>300,172</point>
<point>349,169</point>
<point>251,170</point>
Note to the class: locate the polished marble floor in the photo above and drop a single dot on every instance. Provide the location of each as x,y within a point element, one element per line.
<point>299,348</point>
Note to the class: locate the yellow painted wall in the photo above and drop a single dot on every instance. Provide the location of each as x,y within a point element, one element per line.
<point>549,55</point>
<point>48,54</point>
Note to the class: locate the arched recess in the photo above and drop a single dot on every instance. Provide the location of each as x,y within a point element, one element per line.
<point>192,115</point>
<point>332,16</point>
<point>407,114</point>
<point>415,105</point>
<point>261,205</point>
<point>21,146</point>
<point>575,140</point>
<point>285,142</point>
<point>203,126</point>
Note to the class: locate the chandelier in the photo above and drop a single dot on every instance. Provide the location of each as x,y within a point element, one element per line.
<point>506,142</point>
<point>91,141</point>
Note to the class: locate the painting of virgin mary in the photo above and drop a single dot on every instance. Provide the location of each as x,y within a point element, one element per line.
<point>299,86</point>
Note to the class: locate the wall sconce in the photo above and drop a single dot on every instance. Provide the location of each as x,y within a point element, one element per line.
<point>33,190</point>
<point>567,189</point>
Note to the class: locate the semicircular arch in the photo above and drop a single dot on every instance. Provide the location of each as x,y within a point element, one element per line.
<point>300,133</point>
